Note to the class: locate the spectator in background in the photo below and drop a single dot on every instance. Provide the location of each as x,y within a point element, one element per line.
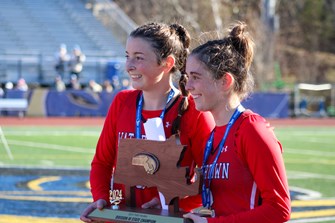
<point>62,58</point>
<point>107,86</point>
<point>303,104</point>
<point>94,86</point>
<point>126,84</point>
<point>322,107</point>
<point>116,82</point>
<point>22,85</point>
<point>2,92</point>
<point>9,85</point>
<point>74,83</point>
<point>76,61</point>
<point>59,83</point>
<point>94,89</point>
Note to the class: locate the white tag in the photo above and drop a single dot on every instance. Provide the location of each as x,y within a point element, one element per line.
<point>154,129</point>
<point>162,198</point>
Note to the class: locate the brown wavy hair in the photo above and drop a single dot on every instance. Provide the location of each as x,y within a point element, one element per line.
<point>168,40</point>
<point>233,54</point>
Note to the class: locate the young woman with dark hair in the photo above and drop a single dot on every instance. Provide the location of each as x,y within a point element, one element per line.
<point>244,178</point>
<point>155,52</point>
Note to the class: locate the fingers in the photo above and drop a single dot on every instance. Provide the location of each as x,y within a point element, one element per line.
<point>195,218</point>
<point>86,212</point>
<point>99,204</point>
<point>188,215</point>
<point>154,203</point>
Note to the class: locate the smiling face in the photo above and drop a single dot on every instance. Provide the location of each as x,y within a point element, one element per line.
<point>142,65</point>
<point>202,86</point>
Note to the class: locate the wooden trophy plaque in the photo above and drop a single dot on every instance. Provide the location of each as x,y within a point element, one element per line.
<point>150,163</point>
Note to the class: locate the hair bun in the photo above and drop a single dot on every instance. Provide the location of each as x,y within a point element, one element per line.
<point>237,32</point>
<point>182,33</point>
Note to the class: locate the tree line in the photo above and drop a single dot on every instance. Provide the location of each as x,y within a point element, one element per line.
<point>298,45</point>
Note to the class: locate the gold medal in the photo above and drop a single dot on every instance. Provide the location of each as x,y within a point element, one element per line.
<point>203,212</point>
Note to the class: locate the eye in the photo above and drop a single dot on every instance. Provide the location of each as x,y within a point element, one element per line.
<point>194,77</point>
<point>139,58</point>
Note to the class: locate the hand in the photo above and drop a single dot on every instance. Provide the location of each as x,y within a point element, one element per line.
<point>99,204</point>
<point>154,203</point>
<point>195,218</point>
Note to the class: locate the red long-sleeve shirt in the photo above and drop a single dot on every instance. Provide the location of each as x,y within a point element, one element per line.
<point>249,183</point>
<point>120,123</point>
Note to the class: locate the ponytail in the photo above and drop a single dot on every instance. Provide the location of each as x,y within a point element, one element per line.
<point>185,39</point>
<point>242,43</point>
<point>232,54</point>
<point>183,104</point>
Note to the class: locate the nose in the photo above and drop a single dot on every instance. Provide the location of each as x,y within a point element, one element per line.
<point>189,85</point>
<point>129,65</point>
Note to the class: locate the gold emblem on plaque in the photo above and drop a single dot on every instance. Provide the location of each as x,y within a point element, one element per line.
<point>148,160</point>
<point>115,197</point>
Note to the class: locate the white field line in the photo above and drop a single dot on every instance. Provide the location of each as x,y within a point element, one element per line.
<point>50,146</point>
<point>306,175</point>
<point>316,220</point>
<point>319,141</point>
<point>309,152</point>
<point>47,163</point>
<point>62,168</point>
<point>48,133</point>
<point>306,194</point>
<point>327,132</point>
<point>315,160</point>
<point>311,140</point>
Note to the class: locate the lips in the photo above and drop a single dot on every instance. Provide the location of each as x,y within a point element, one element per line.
<point>195,96</point>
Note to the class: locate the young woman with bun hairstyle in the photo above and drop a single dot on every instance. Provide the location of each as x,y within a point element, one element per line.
<point>154,53</point>
<point>243,169</point>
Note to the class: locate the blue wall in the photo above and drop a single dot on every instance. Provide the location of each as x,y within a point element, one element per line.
<point>86,103</point>
<point>78,103</point>
<point>269,105</point>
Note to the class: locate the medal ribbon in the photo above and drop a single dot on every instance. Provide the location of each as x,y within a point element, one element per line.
<point>206,195</point>
<point>139,113</point>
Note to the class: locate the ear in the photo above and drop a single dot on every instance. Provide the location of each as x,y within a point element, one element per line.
<point>227,81</point>
<point>169,63</point>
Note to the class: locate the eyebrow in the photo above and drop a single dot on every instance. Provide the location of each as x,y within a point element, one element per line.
<point>195,73</point>
<point>135,53</point>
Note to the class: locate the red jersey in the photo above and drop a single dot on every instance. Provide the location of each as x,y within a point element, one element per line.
<point>120,122</point>
<point>249,183</point>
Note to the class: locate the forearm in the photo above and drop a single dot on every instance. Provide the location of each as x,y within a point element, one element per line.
<point>100,178</point>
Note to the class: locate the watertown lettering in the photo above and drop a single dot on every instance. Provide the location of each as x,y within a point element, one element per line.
<point>221,171</point>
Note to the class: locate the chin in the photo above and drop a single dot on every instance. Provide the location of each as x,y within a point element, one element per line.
<point>137,86</point>
<point>200,107</point>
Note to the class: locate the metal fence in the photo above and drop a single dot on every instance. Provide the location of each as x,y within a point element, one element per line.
<point>39,69</point>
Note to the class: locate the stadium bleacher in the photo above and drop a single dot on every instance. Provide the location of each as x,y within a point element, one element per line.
<point>32,30</point>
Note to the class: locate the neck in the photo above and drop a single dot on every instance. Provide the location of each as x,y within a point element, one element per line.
<point>224,112</point>
<point>156,100</point>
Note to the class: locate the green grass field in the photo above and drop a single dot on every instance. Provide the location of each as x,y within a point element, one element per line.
<point>309,153</point>
<point>50,146</point>
<point>309,157</point>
